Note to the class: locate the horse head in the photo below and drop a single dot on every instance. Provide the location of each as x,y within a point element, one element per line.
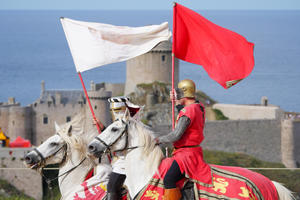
<point>114,138</point>
<point>69,137</point>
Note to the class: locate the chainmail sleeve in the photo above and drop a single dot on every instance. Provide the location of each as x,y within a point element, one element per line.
<point>176,134</point>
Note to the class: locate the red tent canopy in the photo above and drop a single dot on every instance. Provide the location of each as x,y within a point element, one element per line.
<point>20,142</point>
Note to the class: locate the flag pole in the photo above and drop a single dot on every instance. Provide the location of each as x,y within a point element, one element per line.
<point>173,60</point>
<point>89,102</point>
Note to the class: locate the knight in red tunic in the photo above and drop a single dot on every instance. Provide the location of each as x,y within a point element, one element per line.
<point>186,137</point>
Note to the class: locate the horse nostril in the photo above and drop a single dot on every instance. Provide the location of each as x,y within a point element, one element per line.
<point>28,159</point>
<point>92,148</point>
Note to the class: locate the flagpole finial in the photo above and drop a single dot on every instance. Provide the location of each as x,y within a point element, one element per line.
<point>61,17</point>
<point>174,3</point>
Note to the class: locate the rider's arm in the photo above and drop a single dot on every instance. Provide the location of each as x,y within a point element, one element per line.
<point>176,134</point>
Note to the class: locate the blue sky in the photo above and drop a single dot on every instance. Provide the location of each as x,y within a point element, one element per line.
<point>150,4</point>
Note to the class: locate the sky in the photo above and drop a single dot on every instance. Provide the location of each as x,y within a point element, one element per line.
<point>148,4</point>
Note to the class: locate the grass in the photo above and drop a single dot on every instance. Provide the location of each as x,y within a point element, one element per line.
<point>290,178</point>
<point>9,192</point>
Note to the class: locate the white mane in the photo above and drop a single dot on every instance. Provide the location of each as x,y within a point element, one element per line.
<point>151,151</point>
<point>73,134</point>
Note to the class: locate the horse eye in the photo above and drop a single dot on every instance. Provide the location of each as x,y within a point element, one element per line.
<point>53,144</point>
<point>114,129</point>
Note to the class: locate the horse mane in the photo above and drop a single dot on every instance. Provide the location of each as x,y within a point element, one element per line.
<point>77,139</point>
<point>151,151</point>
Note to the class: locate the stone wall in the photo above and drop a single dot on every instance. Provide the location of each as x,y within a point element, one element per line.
<point>4,119</point>
<point>54,113</point>
<point>152,66</point>
<point>20,123</point>
<point>290,143</point>
<point>259,138</point>
<point>297,141</point>
<point>14,171</point>
<point>117,89</point>
<point>249,112</point>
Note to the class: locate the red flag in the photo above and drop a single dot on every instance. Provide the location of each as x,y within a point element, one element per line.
<point>226,56</point>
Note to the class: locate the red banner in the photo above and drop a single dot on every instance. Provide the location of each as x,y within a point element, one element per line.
<point>226,56</point>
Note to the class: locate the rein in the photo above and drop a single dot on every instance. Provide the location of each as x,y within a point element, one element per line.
<point>43,160</point>
<point>108,146</point>
<point>48,181</point>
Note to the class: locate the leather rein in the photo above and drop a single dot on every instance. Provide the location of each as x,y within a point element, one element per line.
<point>43,160</point>
<point>108,146</point>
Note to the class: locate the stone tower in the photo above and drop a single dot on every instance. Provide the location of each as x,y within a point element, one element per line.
<point>20,122</point>
<point>99,100</point>
<point>156,65</point>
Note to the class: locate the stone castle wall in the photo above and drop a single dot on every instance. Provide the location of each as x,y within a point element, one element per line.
<point>16,121</point>
<point>4,119</point>
<point>51,113</point>
<point>290,146</point>
<point>20,122</point>
<point>296,142</point>
<point>14,171</point>
<point>259,138</point>
<point>249,112</point>
<point>99,100</point>
<point>152,66</point>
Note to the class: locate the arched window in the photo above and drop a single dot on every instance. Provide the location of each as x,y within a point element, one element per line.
<point>163,58</point>
<point>45,119</point>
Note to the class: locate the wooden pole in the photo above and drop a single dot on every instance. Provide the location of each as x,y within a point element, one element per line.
<point>89,102</point>
<point>173,62</point>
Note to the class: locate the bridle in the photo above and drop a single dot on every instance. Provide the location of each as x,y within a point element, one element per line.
<point>43,161</point>
<point>108,146</point>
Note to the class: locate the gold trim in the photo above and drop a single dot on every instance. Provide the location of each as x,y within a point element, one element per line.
<point>233,175</point>
<point>231,83</point>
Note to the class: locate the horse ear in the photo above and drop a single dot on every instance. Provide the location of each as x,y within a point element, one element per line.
<point>126,115</point>
<point>139,114</point>
<point>57,128</point>
<point>70,131</point>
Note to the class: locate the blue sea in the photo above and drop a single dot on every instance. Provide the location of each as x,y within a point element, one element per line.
<point>33,48</point>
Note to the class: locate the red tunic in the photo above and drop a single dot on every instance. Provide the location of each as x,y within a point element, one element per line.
<point>190,159</point>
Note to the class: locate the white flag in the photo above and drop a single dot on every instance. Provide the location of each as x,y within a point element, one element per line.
<point>95,44</point>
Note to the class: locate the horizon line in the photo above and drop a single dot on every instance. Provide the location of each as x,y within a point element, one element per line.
<point>93,9</point>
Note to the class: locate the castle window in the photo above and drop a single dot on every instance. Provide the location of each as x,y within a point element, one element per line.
<point>163,58</point>
<point>68,119</point>
<point>45,119</point>
<point>95,107</point>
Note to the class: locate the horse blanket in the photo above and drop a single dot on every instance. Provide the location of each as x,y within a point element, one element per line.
<point>231,183</point>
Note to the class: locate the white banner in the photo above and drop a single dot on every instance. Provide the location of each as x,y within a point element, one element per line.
<point>95,44</point>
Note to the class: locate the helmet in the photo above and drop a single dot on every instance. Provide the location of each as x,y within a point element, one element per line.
<point>186,88</point>
<point>117,107</point>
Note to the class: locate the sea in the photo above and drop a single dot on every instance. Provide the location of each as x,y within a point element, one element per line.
<point>33,48</point>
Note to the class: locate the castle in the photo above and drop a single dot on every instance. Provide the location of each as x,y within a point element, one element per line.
<point>263,131</point>
<point>36,121</point>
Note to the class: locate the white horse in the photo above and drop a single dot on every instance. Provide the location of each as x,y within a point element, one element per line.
<point>68,149</point>
<point>143,158</point>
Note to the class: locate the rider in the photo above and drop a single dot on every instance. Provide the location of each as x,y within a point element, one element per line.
<point>187,137</point>
<point>118,107</point>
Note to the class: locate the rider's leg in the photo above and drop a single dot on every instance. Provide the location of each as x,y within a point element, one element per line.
<point>172,176</point>
<point>114,186</point>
